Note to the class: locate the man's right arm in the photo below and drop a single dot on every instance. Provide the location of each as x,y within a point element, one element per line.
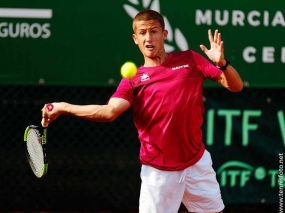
<point>96,113</point>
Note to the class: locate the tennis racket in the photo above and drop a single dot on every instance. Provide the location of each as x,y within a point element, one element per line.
<point>35,138</point>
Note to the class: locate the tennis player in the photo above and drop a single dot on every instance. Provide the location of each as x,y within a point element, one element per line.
<point>166,96</point>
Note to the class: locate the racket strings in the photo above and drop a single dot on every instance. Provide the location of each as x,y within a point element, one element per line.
<point>35,151</point>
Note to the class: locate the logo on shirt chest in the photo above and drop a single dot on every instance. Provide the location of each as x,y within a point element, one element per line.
<point>145,77</point>
<point>180,67</point>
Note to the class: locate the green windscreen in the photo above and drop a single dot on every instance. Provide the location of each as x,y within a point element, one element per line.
<point>86,42</point>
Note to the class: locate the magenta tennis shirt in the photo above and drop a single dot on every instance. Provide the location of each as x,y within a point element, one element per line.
<point>167,103</point>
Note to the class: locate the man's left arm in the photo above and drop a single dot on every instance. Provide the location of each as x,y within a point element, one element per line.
<point>230,78</point>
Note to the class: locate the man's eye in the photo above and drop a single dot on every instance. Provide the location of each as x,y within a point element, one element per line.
<point>153,32</point>
<point>142,33</point>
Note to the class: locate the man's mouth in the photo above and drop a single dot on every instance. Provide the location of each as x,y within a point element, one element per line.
<point>150,47</point>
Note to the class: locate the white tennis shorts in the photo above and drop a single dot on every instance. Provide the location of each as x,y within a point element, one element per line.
<point>196,187</point>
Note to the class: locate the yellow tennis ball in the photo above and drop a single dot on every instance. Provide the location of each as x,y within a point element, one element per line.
<point>128,70</point>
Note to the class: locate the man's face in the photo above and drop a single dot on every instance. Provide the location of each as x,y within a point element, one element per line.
<point>150,36</point>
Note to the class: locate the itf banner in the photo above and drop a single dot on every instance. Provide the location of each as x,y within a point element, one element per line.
<point>245,133</point>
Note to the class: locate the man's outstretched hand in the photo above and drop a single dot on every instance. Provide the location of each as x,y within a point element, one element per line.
<point>216,52</point>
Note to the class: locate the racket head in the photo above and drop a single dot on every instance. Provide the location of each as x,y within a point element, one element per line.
<point>35,140</point>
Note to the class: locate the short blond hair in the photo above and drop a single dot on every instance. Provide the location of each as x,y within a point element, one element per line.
<point>147,15</point>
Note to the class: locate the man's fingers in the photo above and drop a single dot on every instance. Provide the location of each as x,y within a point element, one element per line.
<point>216,36</point>
<point>222,47</point>
<point>46,110</point>
<point>46,114</point>
<point>219,38</point>
<point>211,39</point>
<point>203,48</point>
<point>44,122</point>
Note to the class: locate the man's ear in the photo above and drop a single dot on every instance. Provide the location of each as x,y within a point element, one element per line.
<point>135,38</point>
<point>165,33</point>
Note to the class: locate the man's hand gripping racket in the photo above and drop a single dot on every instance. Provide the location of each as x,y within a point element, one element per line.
<point>46,120</point>
<point>35,138</point>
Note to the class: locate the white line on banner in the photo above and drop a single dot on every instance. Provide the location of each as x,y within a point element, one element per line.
<point>25,13</point>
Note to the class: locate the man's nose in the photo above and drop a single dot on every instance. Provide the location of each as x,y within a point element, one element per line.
<point>148,36</point>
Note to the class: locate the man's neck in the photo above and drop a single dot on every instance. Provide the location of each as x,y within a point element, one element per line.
<point>152,62</point>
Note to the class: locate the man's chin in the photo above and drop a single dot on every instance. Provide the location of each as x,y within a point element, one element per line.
<point>150,55</point>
